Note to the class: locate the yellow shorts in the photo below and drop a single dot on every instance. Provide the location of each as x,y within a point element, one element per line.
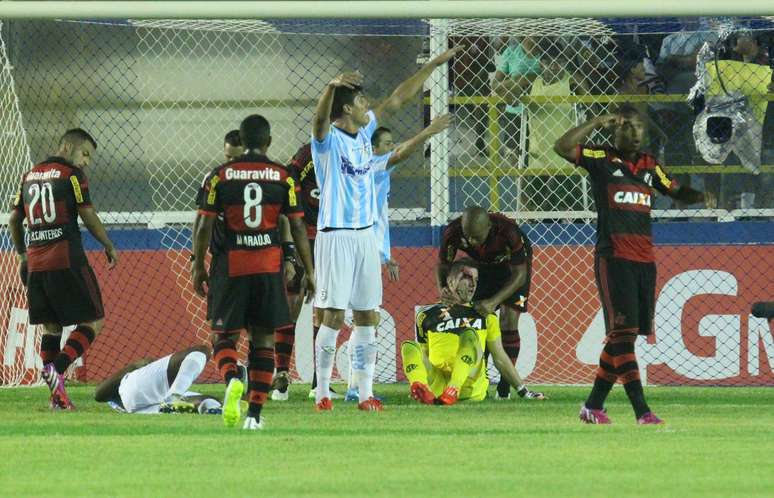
<point>474,389</point>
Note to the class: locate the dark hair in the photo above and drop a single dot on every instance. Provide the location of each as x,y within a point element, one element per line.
<point>455,266</point>
<point>255,132</point>
<point>627,110</point>
<point>232,139</point>
<point>378,135</point>
<point>76,136</point>
<point>343,96</point>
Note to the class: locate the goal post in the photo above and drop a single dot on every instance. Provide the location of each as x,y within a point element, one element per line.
<point>159,94</point>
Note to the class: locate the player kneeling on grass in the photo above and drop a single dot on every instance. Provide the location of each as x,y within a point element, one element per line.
<point>446,362</point>
<point>160,386</point>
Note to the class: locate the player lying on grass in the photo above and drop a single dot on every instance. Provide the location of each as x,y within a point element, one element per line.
<point>446,362</point>
<point>160,386</point>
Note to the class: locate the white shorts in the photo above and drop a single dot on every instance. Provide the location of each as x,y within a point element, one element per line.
<point>347,270</point>
<point>144,389</point>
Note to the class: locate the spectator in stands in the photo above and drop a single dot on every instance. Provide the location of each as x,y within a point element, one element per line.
<point>517,68</point>
<point>547,122</point>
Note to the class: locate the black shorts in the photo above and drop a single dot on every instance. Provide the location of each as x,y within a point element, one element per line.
<point>293,286</point>
<point>248,301</point>
<point>627,290</point>
<point>492,278</point>
<point>217,273</point>
<point>64,297</point>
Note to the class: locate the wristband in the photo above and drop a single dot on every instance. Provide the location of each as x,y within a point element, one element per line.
<point>289,251</point>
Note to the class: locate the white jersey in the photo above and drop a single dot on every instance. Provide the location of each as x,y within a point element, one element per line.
<point>344,165</point>
<point>382,224</point>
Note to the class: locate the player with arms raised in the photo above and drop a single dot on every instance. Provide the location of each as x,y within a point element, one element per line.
<point>446,362</point>
<point>504,257</point>
<point>251,192</point>
<point>347,253</point>
<point>622,179</point>
<point>61,287</point>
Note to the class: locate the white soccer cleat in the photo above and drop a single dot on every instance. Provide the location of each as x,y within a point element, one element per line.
<point>251,424</point>
<point>277,395</point>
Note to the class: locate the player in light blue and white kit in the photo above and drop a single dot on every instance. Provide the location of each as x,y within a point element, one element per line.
<point>383,144</point>
<point>347,267</point>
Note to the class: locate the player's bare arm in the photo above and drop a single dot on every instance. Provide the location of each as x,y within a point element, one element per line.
<point>198,272</point>
<point>508,371</point>
<point>298,231</point>
<point>322,114</point>
<point>405,149</point>
<point>92,222</point>
<point>517,279</point>
<point>16,229</point>
<point>108,389</point>
<point>566,144</point>
<point>288,248</point>
<point>406,90</point>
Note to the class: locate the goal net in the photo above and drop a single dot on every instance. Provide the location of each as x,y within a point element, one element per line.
<point>160,95</point>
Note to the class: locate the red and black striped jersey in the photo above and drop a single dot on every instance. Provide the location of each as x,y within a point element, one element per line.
<point>623,196</point>
<point>506,243</point>
<point>49,197</point>
<point>251,192</point>
<point>302,168</point>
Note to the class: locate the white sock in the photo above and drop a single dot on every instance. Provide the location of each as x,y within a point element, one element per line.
<point>351,378</point>
<point>325,354</point>
<point>190,368</point>
<point>364,359</point>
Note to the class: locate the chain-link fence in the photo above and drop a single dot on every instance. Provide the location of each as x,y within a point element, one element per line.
<point>160,95</point>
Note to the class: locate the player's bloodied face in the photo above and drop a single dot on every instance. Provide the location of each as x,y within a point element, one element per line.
<point>463,283</point>
<point>630,133</point>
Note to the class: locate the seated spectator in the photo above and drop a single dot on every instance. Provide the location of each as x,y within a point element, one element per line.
<point>517,68</point>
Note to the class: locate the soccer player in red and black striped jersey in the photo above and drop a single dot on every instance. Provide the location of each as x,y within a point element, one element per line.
<point>251,192</point>
<point>504,255</point>
<point>61,287</point>
<point>623,179</point>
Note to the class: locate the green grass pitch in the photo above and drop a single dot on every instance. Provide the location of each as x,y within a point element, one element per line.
<point>717,442</point>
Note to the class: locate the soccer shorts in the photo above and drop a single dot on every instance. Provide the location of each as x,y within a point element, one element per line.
<point>293,286</point>
<point>474,389</point>
<point>65,297</point>
<point>257,300</point>
<point>348,270</point>
<point>144,389</point>
<point>627,290</point>
<point>492,278</point>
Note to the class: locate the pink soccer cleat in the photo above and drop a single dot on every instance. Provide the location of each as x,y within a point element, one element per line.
<point>649,418</point>
<point>592,416</point>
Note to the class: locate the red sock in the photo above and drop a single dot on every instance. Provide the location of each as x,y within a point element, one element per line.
<point>260,369</point>
<point>284,338</point>
<point>49,347</point>
<point>225,356</point>
<point>77,343</point>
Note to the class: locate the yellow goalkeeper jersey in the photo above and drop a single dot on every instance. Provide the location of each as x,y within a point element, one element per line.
<point>438,327</point>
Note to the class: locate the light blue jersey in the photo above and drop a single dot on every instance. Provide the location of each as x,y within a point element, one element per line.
<point>382,225</point>
<point>345,166</point>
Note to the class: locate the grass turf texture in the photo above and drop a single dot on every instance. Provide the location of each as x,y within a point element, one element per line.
<point>717,442</point>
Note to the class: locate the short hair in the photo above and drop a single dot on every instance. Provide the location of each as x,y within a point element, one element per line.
<point>457,265</point>
<point>255,132</point>
<point>343,96</point>
<point>627,110</point>
<point>378,135</point>
<point>232,139</point>
<point>77,136</point>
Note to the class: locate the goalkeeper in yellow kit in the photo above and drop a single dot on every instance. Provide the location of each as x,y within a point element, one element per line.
<point>446,363</point>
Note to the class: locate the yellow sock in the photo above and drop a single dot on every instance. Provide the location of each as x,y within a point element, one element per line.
<point>413,365</point>
<point>464,360</point>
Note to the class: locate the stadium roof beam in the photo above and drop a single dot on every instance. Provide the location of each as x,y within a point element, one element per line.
<point>376,9</point>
